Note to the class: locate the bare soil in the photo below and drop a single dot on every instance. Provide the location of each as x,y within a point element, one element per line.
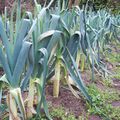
<point>116,103</point>
<point>116,83</point>
<point>67,100</point>
<point>94,117</point>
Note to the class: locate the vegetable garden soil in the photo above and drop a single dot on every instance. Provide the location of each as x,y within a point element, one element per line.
<point>69,102</point>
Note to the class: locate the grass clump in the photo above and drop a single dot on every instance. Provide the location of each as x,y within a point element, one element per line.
<point>62,114</point>
<point>102,103</point>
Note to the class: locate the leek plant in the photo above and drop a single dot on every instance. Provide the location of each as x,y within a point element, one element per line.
<point>15,56</point>
<point>57,23</point>
<point>97,30</point>
<point>63,4</point>
<point>45,40</point>
<point>56,82</point>
<point>72,43</point>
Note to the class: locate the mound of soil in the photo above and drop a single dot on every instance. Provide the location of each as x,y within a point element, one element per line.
<point>116,103</point>
<point>67,100</point>
<point>116,83</point>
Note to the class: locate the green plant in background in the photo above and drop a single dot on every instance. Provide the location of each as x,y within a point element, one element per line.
<point>80,60</point>
<point>97,30</point>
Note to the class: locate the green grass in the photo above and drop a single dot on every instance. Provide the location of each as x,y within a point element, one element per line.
<point>117,73</point>
<point>59,113</point>
<point>102,103</point>
<point>113,57</point>
<point>111,54</point>
<point>102,99</point>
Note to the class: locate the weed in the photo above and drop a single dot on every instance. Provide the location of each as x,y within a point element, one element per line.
<point>102,103</point>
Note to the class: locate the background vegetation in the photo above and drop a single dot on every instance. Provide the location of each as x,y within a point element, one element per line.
<point>114,5</point>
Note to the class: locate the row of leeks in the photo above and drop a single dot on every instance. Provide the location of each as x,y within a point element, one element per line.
<point>95,30</point>
<point>29,56</point>
<point>35,49</point>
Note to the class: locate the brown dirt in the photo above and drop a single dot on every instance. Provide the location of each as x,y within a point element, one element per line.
<point>87,80</point>
<point>67,100</point>
<point>94,117</point>
<point>116,103</point>
<point>116,83</point>
<point>28,5</point>
<point>25,4</point>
